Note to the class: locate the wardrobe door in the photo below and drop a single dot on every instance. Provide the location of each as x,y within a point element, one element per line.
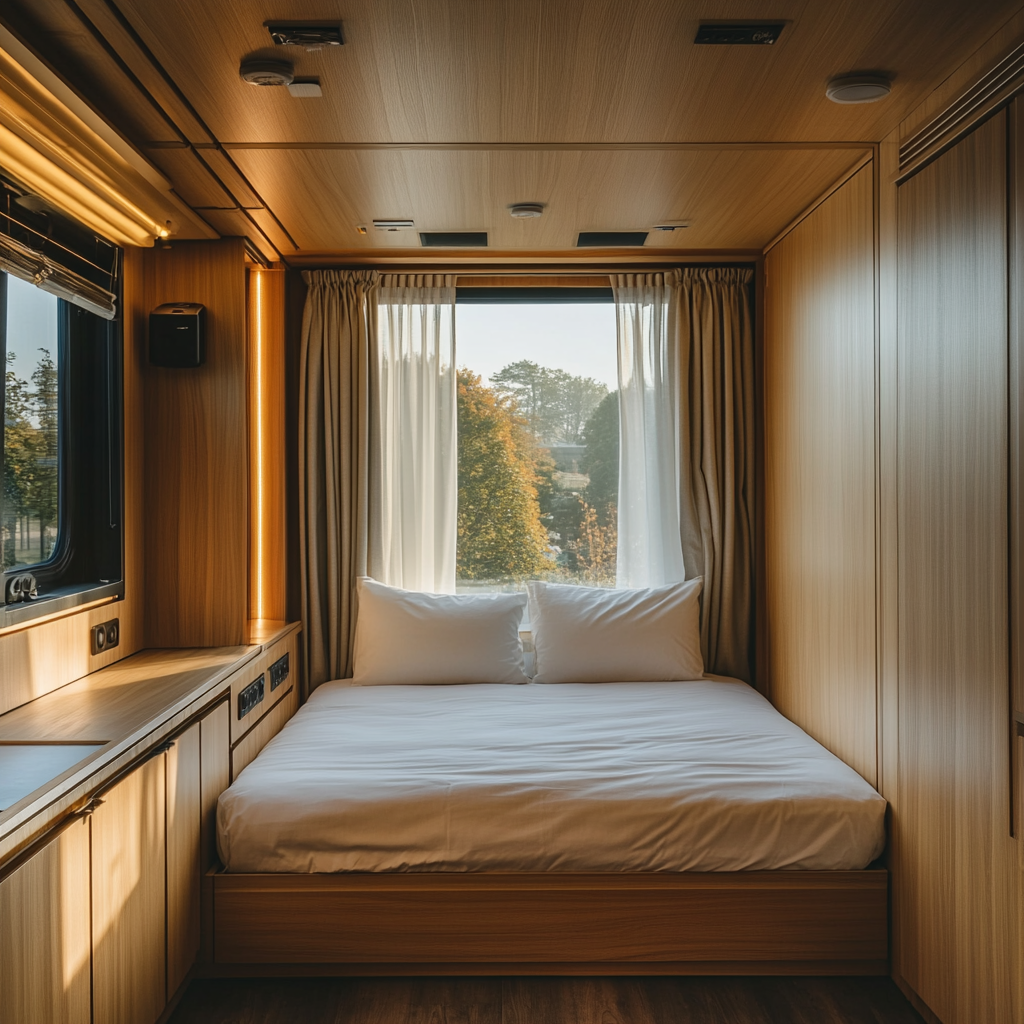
<point>44,934</point>
<point>957,879</point>
<point>128,898</point>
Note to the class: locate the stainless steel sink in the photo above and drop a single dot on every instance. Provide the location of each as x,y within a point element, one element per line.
<point>26,766</point>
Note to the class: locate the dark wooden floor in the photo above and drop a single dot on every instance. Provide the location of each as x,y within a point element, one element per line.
<point>546,1001</point>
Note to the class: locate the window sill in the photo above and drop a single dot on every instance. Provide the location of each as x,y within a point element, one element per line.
<point>58,602</point>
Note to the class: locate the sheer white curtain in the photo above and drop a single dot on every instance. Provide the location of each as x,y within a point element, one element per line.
<point>416,470</point>
<point>650,551</point>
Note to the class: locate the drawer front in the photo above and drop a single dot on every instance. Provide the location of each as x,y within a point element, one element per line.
<point>270,725</point>
<point>261,684</point>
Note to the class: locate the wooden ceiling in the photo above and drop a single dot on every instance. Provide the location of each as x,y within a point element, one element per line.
<point>447,111</point>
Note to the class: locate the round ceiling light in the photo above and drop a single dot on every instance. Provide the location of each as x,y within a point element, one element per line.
<point>524,210</point>
<point>864,88</point>
<point>267,72</point>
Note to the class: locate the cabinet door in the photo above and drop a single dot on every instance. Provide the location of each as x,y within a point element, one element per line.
<point>128,899</point>
<point>183,856</point>
<point>216,775</point>
<point>44,934</point>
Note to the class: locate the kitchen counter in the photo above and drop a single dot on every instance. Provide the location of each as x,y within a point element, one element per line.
<point>123,711</point>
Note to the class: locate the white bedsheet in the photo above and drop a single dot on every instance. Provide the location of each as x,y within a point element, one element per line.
<point>692,776</point>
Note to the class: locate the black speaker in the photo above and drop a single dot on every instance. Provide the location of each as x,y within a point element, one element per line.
<point>177,334</point>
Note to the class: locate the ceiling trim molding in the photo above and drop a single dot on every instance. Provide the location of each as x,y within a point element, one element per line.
<point>544,147</point>
<point>991,90</point>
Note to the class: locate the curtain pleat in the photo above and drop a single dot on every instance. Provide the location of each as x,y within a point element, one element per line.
<point>649,550</point>
<point>338,346</point>
<point>716,442</point>
<point>417,447</point>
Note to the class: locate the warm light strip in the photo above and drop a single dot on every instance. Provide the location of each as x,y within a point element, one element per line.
<point>260,384</point>
<point>126,225</point>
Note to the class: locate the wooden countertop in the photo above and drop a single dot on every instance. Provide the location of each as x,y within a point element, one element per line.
<point>130,706</point>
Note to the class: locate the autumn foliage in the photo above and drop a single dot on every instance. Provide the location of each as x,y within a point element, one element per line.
<point>500,534</point>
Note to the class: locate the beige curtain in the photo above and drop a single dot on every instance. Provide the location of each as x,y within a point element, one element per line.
<point>415,433</point>
<point>716,442</point>
<point>338,343</point>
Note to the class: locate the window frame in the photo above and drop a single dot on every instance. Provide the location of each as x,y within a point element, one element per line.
<point>84,568</point>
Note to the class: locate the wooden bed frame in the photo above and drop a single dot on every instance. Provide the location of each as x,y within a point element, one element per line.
<point>756,922</point>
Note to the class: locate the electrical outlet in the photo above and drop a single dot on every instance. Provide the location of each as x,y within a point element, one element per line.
<point>250,696</point>
<point>278,672</point>
<point>105,635</point>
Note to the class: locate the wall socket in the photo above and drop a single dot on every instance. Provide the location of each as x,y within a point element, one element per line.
<point>105,635</point>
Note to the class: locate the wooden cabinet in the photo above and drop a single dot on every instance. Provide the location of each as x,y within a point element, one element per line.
<point>215,776</point>
<point>956,912</point>
<point>128,898</point>
<point>265,730</point>
<point>44,934</point>
<point>184,808</point>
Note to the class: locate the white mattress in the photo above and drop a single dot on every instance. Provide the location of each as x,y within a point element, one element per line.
<point>692,776</point>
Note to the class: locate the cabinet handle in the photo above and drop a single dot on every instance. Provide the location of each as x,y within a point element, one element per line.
<point>87,810</point>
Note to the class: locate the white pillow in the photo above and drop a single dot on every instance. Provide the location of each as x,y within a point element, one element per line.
<point>403,636</point>
<point>589,635</point>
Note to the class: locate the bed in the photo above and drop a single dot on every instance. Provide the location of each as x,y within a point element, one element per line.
<point>601,827</point>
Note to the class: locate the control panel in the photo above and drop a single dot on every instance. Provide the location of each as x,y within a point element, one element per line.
<point>250,696</point>
<point>278,672</point>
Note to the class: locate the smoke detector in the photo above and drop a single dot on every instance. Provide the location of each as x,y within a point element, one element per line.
<point>859,88</point>
<point>524,210</point>
<point>267,72</point>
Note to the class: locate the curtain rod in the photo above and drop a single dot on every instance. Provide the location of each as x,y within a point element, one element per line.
<point>530,270</point>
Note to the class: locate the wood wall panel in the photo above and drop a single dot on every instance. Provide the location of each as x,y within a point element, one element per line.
<point>196,453</point>
<point>45,934</point>
<point>184,860</point>
<point>128,899</point>
<point>820,474</point>
<point>958,882</point>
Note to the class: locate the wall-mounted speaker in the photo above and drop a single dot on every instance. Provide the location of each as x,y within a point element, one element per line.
<point>177,335</point>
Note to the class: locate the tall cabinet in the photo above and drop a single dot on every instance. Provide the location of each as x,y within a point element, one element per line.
<point>957,913</point>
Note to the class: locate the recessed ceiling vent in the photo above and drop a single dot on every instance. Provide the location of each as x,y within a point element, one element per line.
<point>737,34</point>
<point>610,239</point>
<point>393,223</point>
<point>267,72</point>
<point>313,35</point>
<point>459,239</point>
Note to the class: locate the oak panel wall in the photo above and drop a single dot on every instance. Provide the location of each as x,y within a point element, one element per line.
<point>196,453</point>
<point>957,882</point>
<point>820,473</point>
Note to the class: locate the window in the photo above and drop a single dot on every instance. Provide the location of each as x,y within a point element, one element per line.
<point>32,488</point>
<point>60,502</point>
<point>538,438</point>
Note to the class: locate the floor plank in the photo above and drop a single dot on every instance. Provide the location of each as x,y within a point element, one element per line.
<point>545,1001</point>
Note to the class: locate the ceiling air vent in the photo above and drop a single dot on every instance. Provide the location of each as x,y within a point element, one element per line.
<point>466,239</point>
<point>736,34</point>
<point>313,35</point>
<point>610,239</point>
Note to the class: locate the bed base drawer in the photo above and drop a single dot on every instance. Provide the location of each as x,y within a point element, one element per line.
<point>744,922</point>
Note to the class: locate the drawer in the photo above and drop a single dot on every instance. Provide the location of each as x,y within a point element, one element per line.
<point>258,687</point>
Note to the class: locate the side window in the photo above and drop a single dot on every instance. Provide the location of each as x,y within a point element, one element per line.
<point>60,412</point>
<point>32,458</point>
